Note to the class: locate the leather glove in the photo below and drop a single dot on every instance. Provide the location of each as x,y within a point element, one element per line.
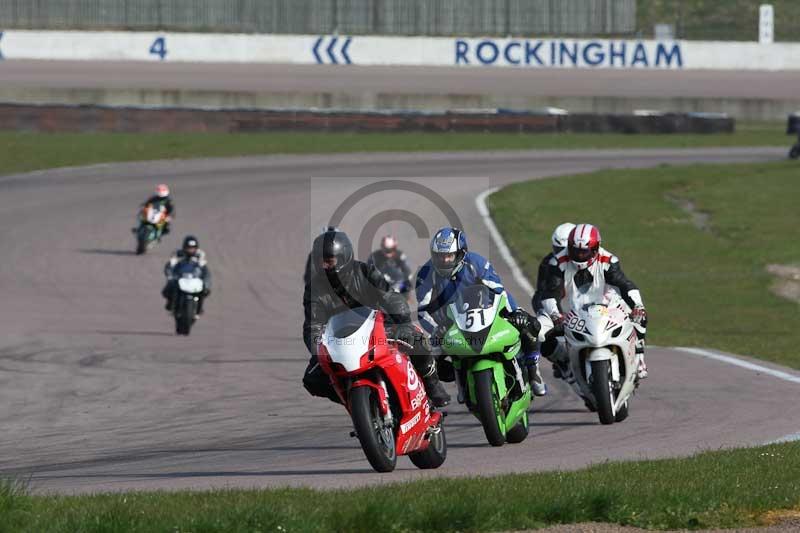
<point>639,314</point>
<point>559,320</point>
<point>519,319</point>
<point>534,327</point>
<point>406,333</point>
<point>437,337</point>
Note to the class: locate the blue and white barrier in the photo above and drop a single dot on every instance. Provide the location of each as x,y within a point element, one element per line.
<point>376,50</point>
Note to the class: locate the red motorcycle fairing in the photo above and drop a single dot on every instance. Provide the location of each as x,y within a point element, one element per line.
<point>384,405</point>
<point>383,364</point>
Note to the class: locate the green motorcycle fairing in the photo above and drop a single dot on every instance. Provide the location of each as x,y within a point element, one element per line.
<point>481,339</point>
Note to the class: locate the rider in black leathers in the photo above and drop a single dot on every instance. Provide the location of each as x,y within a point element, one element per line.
<point>189,251</point>
<point>341,282</point>
<point>389,258</point>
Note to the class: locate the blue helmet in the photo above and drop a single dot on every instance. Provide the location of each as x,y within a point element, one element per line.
<point>448,248</point>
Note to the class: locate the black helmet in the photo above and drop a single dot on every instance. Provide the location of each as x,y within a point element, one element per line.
<point>190,245</point>
<point>333,252</point>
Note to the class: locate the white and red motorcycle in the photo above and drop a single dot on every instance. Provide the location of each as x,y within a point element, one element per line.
<point>600,339</point>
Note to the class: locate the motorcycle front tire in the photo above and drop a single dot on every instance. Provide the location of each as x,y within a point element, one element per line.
<point>366,415</point>
<point>601,388</point>
<point>185,309</point>
<point>488,404</point>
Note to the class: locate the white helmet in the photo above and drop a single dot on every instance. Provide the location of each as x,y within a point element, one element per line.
<point>561,236</point>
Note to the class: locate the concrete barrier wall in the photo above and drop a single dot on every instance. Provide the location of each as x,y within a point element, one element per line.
<point>60,118</point>
<point>740,108</point>
<point>375,50</point>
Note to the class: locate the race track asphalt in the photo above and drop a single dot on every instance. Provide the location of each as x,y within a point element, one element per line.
<point>96,392</point>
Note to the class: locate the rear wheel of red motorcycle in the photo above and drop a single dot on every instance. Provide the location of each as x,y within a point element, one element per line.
<point>376,440</point>
<point>434,455</point>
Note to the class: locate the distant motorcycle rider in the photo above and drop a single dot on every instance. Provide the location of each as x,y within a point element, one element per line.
<point>585,262</point>
<point>453,265</point>
<point>341,282</point>
<point>162,198</point>
<point>189,251</point>
<point>388,257</point>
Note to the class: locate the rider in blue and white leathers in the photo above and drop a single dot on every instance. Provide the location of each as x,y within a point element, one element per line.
<point>452,265</point>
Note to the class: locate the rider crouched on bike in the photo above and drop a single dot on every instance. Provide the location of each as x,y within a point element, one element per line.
<point>162,198</point>
<point>585,262</point>
<point>190,251</point>
<point>453,265</point>
<point>389,257</point>
<point>341,282</point>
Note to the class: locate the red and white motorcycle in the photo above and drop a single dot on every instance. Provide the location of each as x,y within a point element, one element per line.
<point>382,392</point>
<point>601,343</point>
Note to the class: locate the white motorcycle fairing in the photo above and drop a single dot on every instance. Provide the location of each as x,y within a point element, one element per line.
<point>190,285</point>
<point>597,331</point>
<point>347,351</point>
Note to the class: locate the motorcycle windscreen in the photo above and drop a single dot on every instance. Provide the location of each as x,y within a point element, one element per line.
<point>474,311</point>
<point>347,336</point>
<point>475,308</point>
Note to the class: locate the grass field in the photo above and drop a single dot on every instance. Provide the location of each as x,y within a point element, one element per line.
<point>701,287</point>
<point>724,20</point>
<point>20,152</point>
<point>715,489</point>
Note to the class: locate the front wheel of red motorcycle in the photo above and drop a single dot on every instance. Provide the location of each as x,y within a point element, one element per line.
<point>376,439</point>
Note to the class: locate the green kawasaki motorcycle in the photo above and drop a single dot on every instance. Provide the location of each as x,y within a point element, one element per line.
<point>484,347</point>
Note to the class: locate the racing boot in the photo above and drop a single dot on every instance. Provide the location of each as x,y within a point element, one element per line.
<point>642,370</point>
<point>531,364</point>
<point>436,392</point>
<point>556,352</point>
<point>563,370</point>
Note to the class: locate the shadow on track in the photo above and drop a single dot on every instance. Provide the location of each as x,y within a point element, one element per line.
<point>102,251</point>
<point>146,333</point>
<point>178,475</point>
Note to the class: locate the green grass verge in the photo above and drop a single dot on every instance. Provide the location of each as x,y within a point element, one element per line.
<point>725,20</point>
<point>701,288</point>
<point>20,152</point>
<point>714,489</point>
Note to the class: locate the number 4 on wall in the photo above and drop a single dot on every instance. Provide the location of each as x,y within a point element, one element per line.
<point>159,48</point>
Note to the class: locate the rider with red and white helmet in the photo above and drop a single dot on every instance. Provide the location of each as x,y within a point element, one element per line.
<point>162,197</point>
<point>390,260</point>
<point>585,262</point>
